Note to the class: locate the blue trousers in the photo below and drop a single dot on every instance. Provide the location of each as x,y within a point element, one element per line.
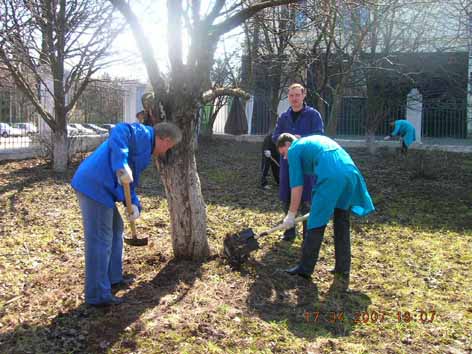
<point>103,229</point>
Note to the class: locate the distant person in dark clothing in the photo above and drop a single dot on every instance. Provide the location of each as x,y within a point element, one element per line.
<point>270,159</point>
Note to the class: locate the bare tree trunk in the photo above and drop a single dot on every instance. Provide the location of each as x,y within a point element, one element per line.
<point>186,205</point>
<point>332,127</point>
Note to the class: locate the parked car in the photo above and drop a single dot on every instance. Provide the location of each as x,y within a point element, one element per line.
<point>81,129</point>
<point>26,128</point>
<point>6,130</point>
<point>71,131</point>
<point>96,128</point>
<point>108,126</point>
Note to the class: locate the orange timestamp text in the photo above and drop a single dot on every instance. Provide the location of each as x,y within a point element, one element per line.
<point>420,316</point>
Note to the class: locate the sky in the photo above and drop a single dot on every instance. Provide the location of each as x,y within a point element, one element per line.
<point>153,20</point>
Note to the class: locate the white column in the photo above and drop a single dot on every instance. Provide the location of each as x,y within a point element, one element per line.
<point>414,110</point>
<point>283,106</point>
<point>249,110</point>
<point>129,102</point>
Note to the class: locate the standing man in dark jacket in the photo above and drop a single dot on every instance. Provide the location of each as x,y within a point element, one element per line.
<point>270,159</point>
<point>300,120</point>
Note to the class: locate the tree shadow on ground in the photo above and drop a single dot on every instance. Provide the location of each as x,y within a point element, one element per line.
<point>94,330</point>
<point>28,174</point>
<point>297,302</point>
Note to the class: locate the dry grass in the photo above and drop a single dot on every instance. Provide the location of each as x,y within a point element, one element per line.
<point>413,255</point>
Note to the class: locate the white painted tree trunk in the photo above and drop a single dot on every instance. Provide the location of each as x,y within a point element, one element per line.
<point>60,151</point>
<point>371,145</point>
<point>185,200</point>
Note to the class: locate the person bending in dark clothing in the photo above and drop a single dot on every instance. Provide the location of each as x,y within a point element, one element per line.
<point>270,159</point>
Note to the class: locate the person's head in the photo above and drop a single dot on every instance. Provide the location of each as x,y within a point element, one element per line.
<point>284,141</point>
<point>391,123</point>
<point>296,96</point>
<point>167,136</point>
<point>140,116</point>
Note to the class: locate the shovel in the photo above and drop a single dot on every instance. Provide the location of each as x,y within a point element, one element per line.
<point>237,247</point>
<point>134,240</point>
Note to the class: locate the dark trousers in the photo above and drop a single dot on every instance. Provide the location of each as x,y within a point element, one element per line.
<point>342,245</point>
<point>404,149</point>
<point>267,163</point>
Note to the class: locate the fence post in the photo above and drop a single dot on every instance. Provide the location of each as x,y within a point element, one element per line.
<point>414,110</point>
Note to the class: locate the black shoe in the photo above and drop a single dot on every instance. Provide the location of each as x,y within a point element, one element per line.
<point>264,183</point>
<point>124,283</point>
<point>113,301</point>
<point>297,271</point>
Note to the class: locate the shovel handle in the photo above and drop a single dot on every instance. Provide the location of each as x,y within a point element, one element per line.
<point>275,161</point>
<point>282,227</point>
<point>129,209</point>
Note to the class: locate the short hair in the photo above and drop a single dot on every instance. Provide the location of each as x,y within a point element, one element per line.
<point>139,113</point>
<point>297,85</point>
<point>168,130</point>
<point>284,138</point>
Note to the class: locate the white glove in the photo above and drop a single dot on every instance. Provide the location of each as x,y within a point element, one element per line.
<point>289,220</point>
<point>134,213</point>
<point>267,154</point>
<point>387,137</point>
<point>124,175</point>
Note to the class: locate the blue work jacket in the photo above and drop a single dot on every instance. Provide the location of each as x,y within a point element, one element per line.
<point>308,123</point>
<point>406,130</point>
<point>128,144</point>
<point>339,183</point>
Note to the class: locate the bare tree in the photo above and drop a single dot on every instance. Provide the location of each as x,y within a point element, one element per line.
<point>398,26</point>
<point>55,46</point>
<point>180,96</point>
<point>268,35</point>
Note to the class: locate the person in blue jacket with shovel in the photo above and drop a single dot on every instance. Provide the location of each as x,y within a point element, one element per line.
<point>300,120</point>
<point>98,183</point>
<point>405,130</point>
<point>339,190</point>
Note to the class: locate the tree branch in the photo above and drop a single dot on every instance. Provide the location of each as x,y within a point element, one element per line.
<point>144,46</point>
<point>237,19</point>
<point>224,91</point>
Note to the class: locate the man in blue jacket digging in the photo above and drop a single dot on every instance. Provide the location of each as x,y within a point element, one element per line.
<point>98,184</point>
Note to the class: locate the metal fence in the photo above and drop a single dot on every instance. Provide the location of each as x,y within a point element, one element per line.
<point>22,127</point>
<point>352,118</point>
<point>439,119</point>
<point>444,120</point>
<point>19,126</point>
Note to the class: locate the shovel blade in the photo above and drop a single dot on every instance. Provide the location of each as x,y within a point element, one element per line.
<point>237,247</point>
<point>245,235</point>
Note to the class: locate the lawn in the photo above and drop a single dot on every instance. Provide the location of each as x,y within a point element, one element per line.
<point>410,286</point>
